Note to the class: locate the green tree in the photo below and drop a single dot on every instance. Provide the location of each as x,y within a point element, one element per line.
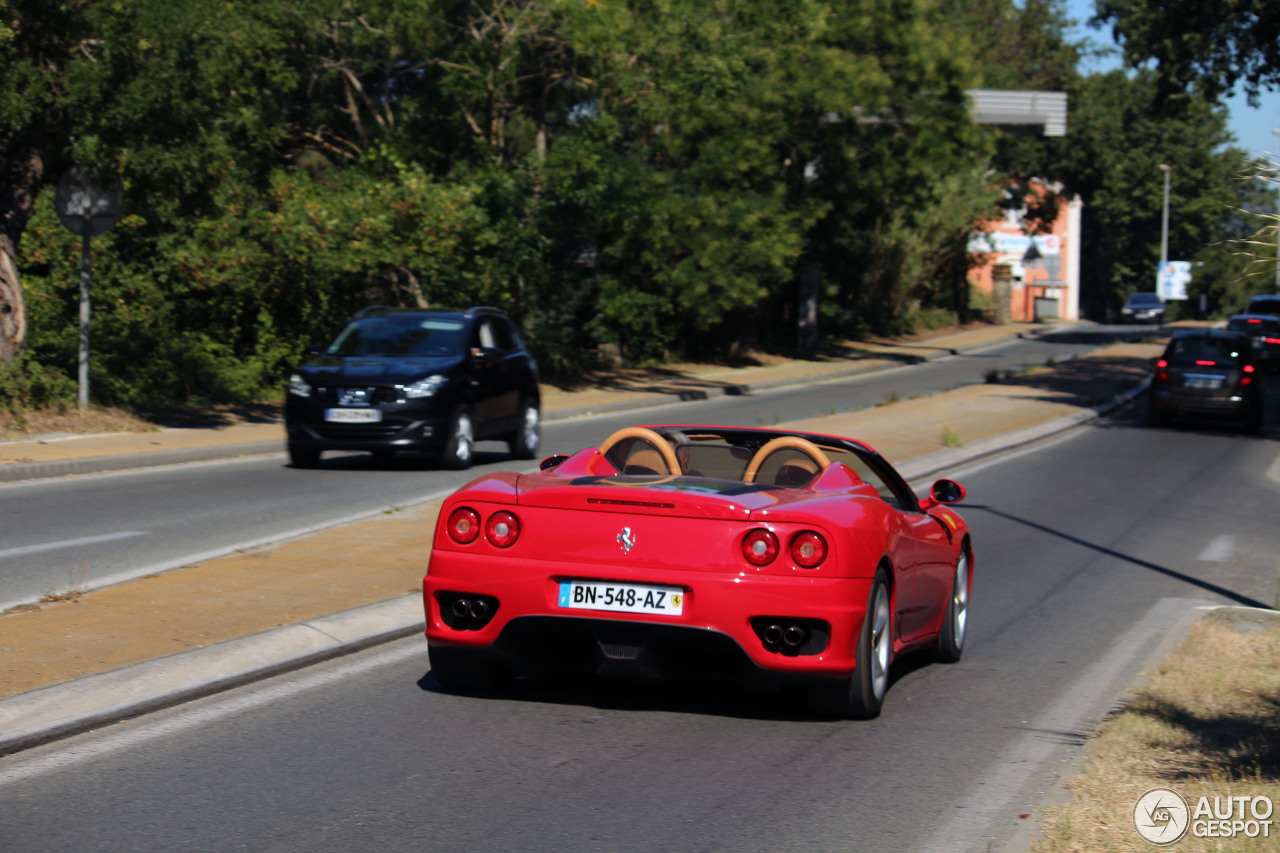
<point>1120,129</point>
<point>1212,45</point>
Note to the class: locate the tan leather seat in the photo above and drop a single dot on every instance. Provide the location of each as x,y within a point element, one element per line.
<point>787,461</point>
<point>636,450</point>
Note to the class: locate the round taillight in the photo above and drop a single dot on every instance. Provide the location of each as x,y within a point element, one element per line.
<point>1162,363</point>
<point>464,525</point>
<point>760,547</point>
<point>808,549</point>
<point>503,529</point>
<point>1248,368</point>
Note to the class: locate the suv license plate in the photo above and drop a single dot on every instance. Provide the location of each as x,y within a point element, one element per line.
<point>353,416</point>
<point>622,597</point>
<point>1208,383</point>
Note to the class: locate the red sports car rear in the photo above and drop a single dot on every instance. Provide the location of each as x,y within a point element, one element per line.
<point>675,574</point>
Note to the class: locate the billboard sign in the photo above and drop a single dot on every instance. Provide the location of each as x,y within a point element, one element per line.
<point>1172,279</point>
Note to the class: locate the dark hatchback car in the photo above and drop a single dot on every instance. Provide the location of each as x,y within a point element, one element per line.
<point>1207,373</point>
<point>1264,331</point>
<point>1143,308</point>
<point>401,379</point>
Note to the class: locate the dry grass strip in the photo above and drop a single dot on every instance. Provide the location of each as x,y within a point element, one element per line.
<point>1205,723</point>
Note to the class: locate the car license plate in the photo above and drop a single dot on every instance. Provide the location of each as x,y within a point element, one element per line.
<point>353,416</point>
<point>622,597</point>
<point>1208,383</point>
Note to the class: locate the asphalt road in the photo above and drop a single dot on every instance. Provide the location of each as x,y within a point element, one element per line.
<point>85,531</point>
<point>1076,541</point>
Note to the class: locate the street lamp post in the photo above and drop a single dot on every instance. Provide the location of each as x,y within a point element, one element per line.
<point>1276,131</point>
<point>1164,224</point>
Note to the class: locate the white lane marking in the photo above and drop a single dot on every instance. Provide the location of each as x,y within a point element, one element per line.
<point>200,713</point>
<point>72,543</point>
<point>215,553</point>
<point>1219,550</point>
<point>1274,471</point>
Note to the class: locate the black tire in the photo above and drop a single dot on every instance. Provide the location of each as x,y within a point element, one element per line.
<point>861,696</point>
<point>955,621</point>
<point>526,440</point>
<point>460,445</point>
<point>301,456</point>
<point>1157,418</point>
<point>464,669</point>
<point>384,455</point>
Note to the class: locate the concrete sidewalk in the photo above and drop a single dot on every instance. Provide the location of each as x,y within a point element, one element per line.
<point>154,642</point>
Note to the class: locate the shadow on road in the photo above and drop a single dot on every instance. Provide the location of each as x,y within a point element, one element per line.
<point>1231,595</point>
<point>708,699</point>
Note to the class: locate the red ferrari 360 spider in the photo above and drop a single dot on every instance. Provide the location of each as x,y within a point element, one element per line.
<point>695,552</point>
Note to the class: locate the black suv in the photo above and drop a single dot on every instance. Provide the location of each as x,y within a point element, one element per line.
<point>1264,330</point>
<point>1207,373</point>
<point>1265,303</point>
<point>403,379</point>
<point>1143,308</point>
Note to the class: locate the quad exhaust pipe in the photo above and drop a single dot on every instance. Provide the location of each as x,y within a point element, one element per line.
<point>467,612</point>
<point>476,608</point>
<point>792,636</point>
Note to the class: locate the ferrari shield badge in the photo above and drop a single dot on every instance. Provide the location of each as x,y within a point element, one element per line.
<point>626,540</point>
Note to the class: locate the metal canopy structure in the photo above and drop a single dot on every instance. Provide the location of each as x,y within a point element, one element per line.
<point>1043,113</point>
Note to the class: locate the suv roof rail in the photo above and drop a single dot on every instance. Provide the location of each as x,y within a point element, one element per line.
<point>374,309</point>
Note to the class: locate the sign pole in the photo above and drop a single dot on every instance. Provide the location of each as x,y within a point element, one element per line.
<point>87,208</point>
<point>85,262</point>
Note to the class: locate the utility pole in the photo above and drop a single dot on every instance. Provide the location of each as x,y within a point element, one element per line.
<point>1164,225</point>
<point>1276,131</point>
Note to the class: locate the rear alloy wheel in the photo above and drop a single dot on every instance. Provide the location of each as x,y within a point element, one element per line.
<point>461,443</point>
<point>464,669</point>
<point>956,620</point>
<point>525,441</point>
<point>862,695</point>
<point>301,456</point>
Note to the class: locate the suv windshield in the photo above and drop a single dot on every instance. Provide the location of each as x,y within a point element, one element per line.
<point>1191,350</point>
<point>400,335</point>
<point>1264,305</point>
<point>1144,299</point>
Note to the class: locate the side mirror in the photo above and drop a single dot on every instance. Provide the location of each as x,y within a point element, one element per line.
<point>551,462</point>
<point>943,492</point>
<point>486,355</point>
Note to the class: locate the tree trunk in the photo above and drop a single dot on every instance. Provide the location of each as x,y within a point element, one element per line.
<point>23,176</point>
<point>13,308</point>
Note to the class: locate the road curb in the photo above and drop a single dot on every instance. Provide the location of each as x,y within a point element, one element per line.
<point>148,459</point>
<point>73,707</point>
<point>935,463</point>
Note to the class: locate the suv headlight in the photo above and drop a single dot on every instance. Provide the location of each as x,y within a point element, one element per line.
<point>298,386</point>
<point>424,387</point>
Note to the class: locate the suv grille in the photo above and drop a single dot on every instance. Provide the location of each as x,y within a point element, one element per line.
<point>371,395</point>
